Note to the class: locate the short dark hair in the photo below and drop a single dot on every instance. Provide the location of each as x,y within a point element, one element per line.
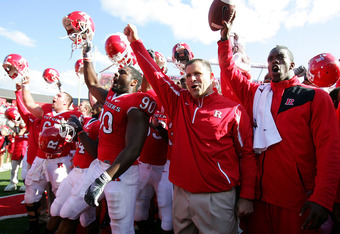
<point>205,63</point>
<point>136,75</point>
<point>281,47</point>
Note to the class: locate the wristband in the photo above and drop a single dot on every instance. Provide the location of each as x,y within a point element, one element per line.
<point>105,177</point>
<point>25,86</point>
<point>80,132</point>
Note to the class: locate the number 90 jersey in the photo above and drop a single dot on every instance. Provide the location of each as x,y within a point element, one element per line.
<point>114,119</point>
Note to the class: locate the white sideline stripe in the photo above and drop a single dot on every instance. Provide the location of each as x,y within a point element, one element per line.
<point>12,216</point>
<point>12,195</point>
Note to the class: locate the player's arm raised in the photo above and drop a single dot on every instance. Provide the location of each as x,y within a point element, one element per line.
<point>29,102</point>
<point>90,75</point>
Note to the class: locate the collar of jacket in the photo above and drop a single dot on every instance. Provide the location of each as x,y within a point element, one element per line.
<point>285,84</point>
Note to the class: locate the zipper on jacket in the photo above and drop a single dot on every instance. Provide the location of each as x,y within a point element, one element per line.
<point>200,104</point>
<point>301,180</point>
<point>226,176</point>
<point>262,172</point>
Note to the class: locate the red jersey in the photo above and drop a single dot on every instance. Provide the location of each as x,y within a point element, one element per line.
<point>155,147</point>
<point>49,119</point>
<point>82,159</point>
<point>114,119</point>
<point>2,144</point>
<point>212,148</point>
<point>10,145</point>
<point>20,145</point>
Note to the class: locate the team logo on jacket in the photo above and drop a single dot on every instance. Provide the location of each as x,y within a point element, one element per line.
<point>289,102</point>
<point>218,114</point>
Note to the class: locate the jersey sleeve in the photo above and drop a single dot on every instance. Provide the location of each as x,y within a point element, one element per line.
<point>145,103</point>
<point>24,113</point>
<point>167,91</point>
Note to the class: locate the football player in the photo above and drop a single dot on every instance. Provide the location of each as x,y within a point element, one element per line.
<point>54,165</point>
<point>19,147</point>
<point>154,165</point>
<point>123,129</point>
<point>70,188</point>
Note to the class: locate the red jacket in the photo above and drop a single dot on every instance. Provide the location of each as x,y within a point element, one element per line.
<point>305,164</point>
<point>212,150</point>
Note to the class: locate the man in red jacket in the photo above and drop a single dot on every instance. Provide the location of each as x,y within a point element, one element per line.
<point>212,151</point>
<point>296,140</point>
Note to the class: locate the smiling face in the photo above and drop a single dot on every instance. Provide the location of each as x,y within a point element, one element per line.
<point>280,64</point>
<point>198,79</point>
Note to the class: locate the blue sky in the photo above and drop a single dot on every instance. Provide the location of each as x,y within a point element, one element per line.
<point>34,30</point>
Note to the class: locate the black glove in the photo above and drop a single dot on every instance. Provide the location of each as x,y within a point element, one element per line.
<point>96,189</point>
<point>75,122</point>
<point>88,51</point>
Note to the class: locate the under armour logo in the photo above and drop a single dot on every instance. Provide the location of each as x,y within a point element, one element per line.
<point>289,102</point>
<point>117,179</point>
<point>218,114</point>
<point>60,165</point>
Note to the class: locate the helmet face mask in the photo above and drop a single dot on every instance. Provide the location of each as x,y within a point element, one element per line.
<point>16,65</point>
<point>181,54</point>
<point>119,51</point>
<point>79,27</point>
<point>67,131</point>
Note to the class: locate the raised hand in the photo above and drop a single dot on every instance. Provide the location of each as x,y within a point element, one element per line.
<point>131,33</point>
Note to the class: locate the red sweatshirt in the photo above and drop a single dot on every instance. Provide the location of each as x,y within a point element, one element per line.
<point>212,150</point>
<point>305,164</point>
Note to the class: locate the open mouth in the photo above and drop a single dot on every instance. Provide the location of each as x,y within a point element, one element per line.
<point>275,68</point>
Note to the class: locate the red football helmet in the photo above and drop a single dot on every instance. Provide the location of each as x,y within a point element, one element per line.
<point>79,67</point>
<point>79,26</point>
<point>119,51</point>
<point>15,64</point>
<point>51,75</point>
<point>12,114</point>
<point>161,61</point>
<point>53,139</point>
<point>181,54</point>
<point>323,70</point>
